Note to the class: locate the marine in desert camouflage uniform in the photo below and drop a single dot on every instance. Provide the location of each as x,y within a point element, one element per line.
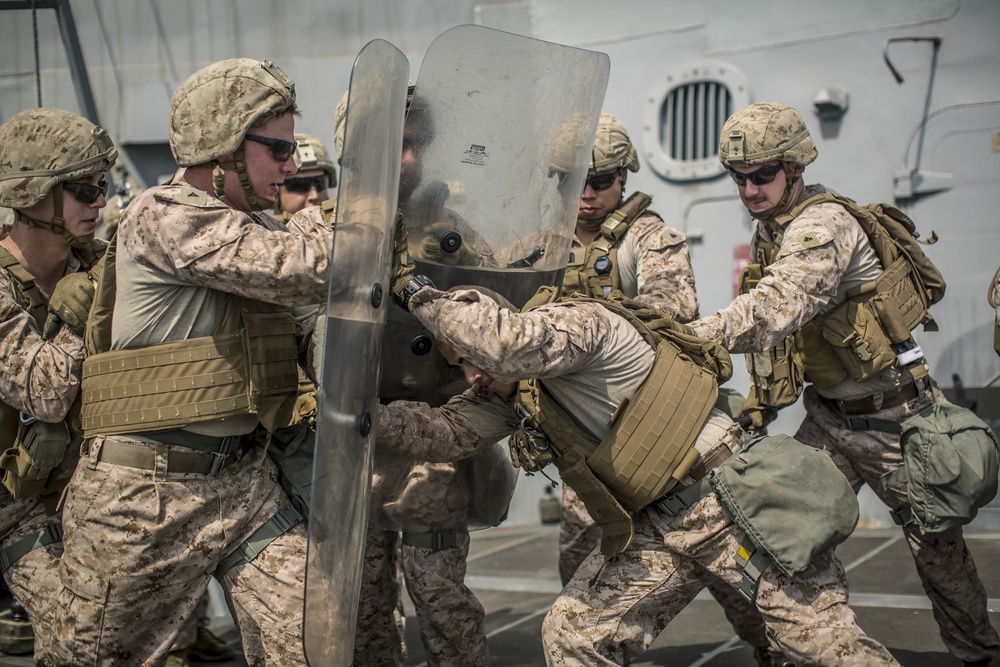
<point>590,359</point>
<point>153,510</point>
<point>814,260</point>
<point>46,252</point>
<point>623,245</point>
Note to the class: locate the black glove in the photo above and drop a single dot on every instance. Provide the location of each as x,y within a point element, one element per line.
<point>70,303</point>
<point>402,265</point>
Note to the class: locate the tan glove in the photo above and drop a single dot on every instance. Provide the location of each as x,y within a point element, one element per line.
<point>70,303</point>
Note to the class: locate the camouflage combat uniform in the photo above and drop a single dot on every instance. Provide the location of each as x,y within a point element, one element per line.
<point>141,544</point>
<point>609,613</point>
<point>824,253</point>
<point>42,379</point>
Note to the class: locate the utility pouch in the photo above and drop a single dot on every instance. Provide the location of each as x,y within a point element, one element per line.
<point>777,374</point>
<point>40,447</point>
<point>855,333</point>
<point>950,464</point>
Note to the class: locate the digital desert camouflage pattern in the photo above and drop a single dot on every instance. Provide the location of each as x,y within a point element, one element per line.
<point>994,299</point>
<point>34,579</point>
<point>654,266</point>
<point>251,92</point>
<point>823,253</point>
<point>40,377</point>
<point>612,147</point>
<point>691,546</point>
<point>765,132</point>
<point>379,639</point>
<point>142,544</point>
<point>58,145</point>
<point>612,610</point>
<point>193,237</point>
<point>311,153</point>
<point>944,564</point>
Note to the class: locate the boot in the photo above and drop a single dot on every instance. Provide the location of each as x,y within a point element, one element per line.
<point>208,647</point>
<point>16,634</point>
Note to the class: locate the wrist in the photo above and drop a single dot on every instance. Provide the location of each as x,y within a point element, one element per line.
<point>411,287</point>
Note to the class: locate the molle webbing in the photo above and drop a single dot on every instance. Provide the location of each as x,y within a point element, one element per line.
<point>183,382</point>
<point>581,274</point>
<point>28,295</point>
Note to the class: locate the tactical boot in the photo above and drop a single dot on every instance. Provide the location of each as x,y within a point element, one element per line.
<point>177,659</point>
<point>767,658</point>
<point>210,648</point>
<point>16,634</point>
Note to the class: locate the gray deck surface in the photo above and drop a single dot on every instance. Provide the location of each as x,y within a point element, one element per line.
<point>513,572</point>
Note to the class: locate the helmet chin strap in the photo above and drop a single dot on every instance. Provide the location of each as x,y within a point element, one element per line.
<point>239,165</point>
<point>58,224</point>
<point>786,196</point>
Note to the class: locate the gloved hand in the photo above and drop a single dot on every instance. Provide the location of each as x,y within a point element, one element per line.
<point>70,303</point>
<point>402,265</point>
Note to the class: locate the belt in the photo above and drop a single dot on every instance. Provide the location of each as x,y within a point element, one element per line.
<point>211,463</point>
<point>883,400</point>
<point>682,498</point>
<point>434,541</point>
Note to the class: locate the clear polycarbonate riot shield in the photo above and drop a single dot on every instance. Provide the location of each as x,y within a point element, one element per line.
<point>352,344</point>
<point>496,145</point>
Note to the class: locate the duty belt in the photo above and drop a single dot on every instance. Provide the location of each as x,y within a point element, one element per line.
<point>679,500</point>
<point>217,452</point>
<point>858,413</point>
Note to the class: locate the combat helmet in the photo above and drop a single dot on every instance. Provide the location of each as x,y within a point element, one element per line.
<point>44,148</point>
<point>612,148</point>
<point>340,118</point>
<point>212,111</point>
<point>764,132</point>
<point>310,153</point>
<point>767,132</point>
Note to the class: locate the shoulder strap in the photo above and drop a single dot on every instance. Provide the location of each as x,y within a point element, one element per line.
<point>28,295</point>
<point>616,224</point>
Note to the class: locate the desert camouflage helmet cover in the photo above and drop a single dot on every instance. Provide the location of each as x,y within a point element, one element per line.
<point>765,132</point>
<point>612,148</point>
<point>214,108</point>
<point>310,153</point>
<point>40,148</point>
<point>340,115</point>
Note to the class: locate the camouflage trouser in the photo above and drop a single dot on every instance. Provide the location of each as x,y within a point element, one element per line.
<point>579,536</point>
<point>34,579</point>
<point>378,638</point>
<point>944,563</point>
<point>141,545</point>
<point>452,620</point>
<point>612,610</point>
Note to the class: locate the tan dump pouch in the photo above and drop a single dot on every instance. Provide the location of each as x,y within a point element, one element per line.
<point>39,449</point>
<point>165,386</point>
<point>652,442</point>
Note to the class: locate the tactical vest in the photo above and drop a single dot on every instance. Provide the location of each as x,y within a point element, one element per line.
<point>651,442</point>
<point>593,270</point>
<point>37,457</point>
<point>857,338</point>
<point>249,365</point>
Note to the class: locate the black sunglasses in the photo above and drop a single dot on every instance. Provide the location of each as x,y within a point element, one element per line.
<point>281,150</point>
<point>762,176</point>
<point>85,193</point>
<point>602,181</point>
<point>303,184</point>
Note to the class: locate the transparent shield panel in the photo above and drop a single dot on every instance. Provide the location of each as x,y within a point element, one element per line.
<point>352,344</point>
<point>497,141</point>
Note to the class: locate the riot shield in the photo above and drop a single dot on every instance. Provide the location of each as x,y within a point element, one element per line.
<point>352,344</point>
<point>496,145</point>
